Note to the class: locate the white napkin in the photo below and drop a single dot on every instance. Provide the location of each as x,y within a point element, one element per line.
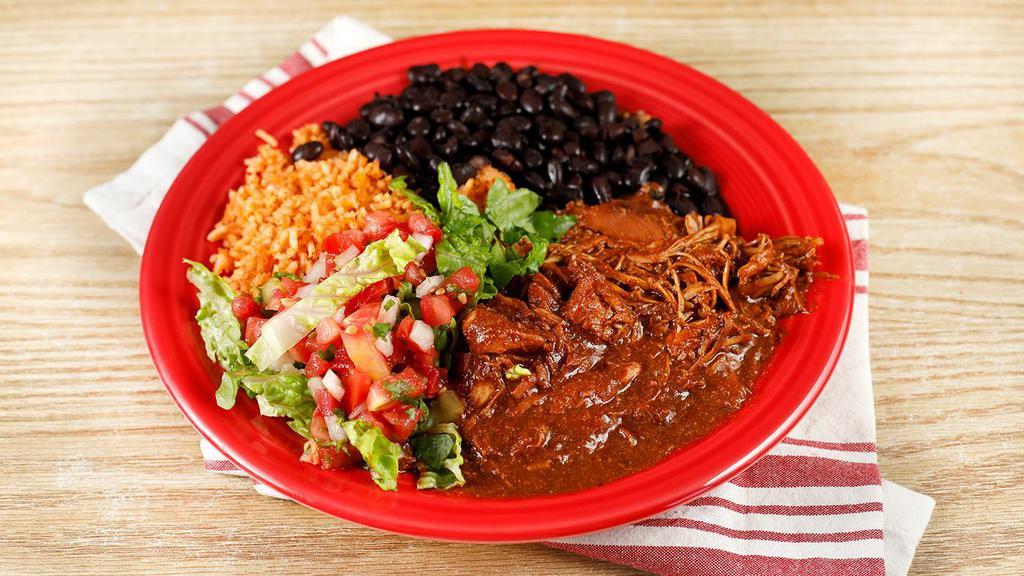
<point>814,505</point>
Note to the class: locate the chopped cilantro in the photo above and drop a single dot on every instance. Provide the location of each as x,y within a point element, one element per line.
<point>381,330</point>
<point>286,275</point>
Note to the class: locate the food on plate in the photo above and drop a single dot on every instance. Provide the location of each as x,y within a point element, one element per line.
<point>546,131</point>
<point>642,331</point>
<point>496,279</point>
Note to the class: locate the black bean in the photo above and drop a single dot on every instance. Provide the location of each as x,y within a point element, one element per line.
<point>463,171</point>
<point>524,78</point>
<point>552,132</point>
<point>674,167</point>
<point>507,160</point>
<point>418,126</point>
<point>575,183</point>
<point>713,205</point>
<point>309,151</point>
<point>531,101</point>
<point>503,139</point>
<point>563,108</point>
<point>535,181</point>
<point>434,161</point>
<point>506,90</point>
<point>420,146</point>
<point>420,98</point>
<point>384,113</point>
<point>449,147</point>
<point>648,148</point>
<point>545,83</point>
<point>630,154</point>
<point>380,137</point>
<point>456,127</point>
<point>710,186</point>
<point>585,103</point>
<point>532,158</point>
<point>599,152</point>
<point>554,169</point>
<point>379,152</point>
<point>441,115</point>
<point>474,116</point>
<point>501,72</point>
<point>668,144</point>
<point>424,73</point>
<point>358,129</point>
<point>583,166</point>
<point>479,161</point>
<point>654,124</point>
<point>405,156</point>
<point>572,149</point>
<point>479,83</point>
<point>453,98</point>
<point>614,131</point>
<point>455,74</point>
<point>606,112</point>
<point>587,127</point>
<point>599,190</point>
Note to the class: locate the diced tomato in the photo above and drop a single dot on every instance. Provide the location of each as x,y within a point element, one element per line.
<point>402,421</point>
<point>372,292</point>
<point>379,225</point>
<point>341,364</point>
<point>253,326</point>
<point>434,376</point>
<point>328,332</point>
<point>404,328</point>
<point>317,366</point>
<point>363,315</point>
<point>361,413</point>
<point>429,262</point>
<point>357,385</point>
<point>244,307</point>
<point>464,279</point>
<point>289,287</point>
<point>422,359</point>
<point>305,348</point>
<point>437,309</point>
<point>318,428</point>
<point>325,403</point>
<point>338,243</point>
<point>414,274</point>
<point>387,393</point>
<point>331,459</point>
<point>420,224</point>
<point>364,354</point>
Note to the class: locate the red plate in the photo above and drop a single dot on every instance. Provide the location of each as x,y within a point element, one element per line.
<point>768,181</point>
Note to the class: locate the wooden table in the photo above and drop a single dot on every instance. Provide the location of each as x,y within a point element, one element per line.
<point>913,110</point>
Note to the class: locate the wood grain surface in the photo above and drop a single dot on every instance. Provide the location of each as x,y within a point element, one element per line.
<point>915,110</point>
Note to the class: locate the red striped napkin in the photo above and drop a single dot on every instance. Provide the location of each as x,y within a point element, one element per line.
<point>816,504</point>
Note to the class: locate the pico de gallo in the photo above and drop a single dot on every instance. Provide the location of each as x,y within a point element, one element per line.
<point>356,352</point>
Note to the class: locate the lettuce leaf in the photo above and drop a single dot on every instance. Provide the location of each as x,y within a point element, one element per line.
<point>221,332</point>
<point>440,450</point>
<point>380,260</point>
<point>511,209</point>
<point>380,454</point>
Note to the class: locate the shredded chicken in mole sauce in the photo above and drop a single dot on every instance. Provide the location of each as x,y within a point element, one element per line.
<point>643,331</point>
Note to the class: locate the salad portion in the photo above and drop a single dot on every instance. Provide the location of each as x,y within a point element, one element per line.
<point>355,352</point>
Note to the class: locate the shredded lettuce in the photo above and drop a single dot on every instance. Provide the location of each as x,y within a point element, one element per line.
<point>440,450</point>
<point>282,395</point>
<point>380,260</point>
<point>380,454</point>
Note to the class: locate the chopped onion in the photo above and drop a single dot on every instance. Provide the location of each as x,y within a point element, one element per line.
<point>389,310</point>
<point>426,239</point>
<point>422,335</point>
<point>385,346</point>
<point>315,386</point>
<point>333,385</point>
<point>339,316</point>
<point>428,285</point>
<point>304,291</point>
<point>317,271</point>
<point>334,428</point>
<point>341,259</point>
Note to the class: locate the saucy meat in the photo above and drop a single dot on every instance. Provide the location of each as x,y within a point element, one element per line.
<point>642,331</point>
